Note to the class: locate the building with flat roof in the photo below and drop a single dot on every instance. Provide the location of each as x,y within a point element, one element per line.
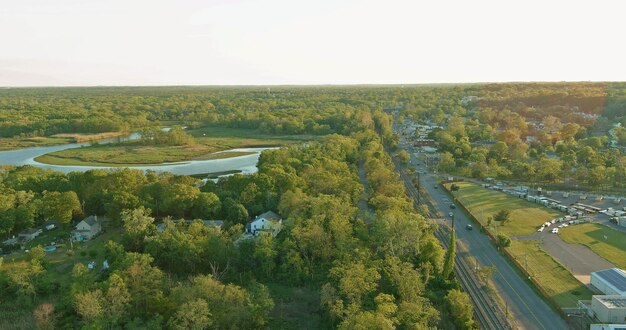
<point>609,308</point>
<point>608,327</point>
<point>610,281</point>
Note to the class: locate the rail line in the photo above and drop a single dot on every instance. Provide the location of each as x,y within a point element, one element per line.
<point>486,310</point>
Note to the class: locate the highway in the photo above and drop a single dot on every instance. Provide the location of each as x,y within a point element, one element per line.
<point>525,305</point>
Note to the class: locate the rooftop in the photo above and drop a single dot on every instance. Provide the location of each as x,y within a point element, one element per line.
<point>28,231</point>
<point>91,220</point>
<point>269,215</point>
<point>612,301</point>
<point>615,277</point>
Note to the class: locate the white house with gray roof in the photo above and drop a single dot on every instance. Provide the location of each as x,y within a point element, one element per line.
<point>266,223</point>
<point>87,229</point>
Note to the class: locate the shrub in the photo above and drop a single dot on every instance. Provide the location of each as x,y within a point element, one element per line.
<point>503,240</point>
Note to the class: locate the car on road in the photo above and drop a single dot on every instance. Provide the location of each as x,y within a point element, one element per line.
<point>436,187</point>
<point>469,227</point>
<point>452,206</point>
<point>450,214</point>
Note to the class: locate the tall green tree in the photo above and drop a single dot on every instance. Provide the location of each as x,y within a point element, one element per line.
<point>448,264</point>
<point>460,308</point>
<point>137,225</point>
<point>61,206</point>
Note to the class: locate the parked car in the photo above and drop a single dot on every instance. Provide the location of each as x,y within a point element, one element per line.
<point>469,227</point>
<point>452,206</point>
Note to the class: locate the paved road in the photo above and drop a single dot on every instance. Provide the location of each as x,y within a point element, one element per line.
<point>527,308</point>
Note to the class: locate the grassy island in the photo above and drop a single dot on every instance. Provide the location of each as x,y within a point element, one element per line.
<point>158,147</point>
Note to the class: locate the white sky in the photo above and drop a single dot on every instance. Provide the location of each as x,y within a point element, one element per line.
<point>218,42</point>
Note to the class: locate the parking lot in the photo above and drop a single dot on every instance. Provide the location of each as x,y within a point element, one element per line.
<point>596,201</point>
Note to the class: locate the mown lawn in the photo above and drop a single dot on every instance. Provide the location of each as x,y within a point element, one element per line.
<point>525,216</point>
<point>592,235</point>
<point>554,279</point>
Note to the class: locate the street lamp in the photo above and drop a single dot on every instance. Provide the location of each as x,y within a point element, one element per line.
<point>580,316</point>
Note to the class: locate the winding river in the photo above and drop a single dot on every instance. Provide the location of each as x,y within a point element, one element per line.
<point>245,164</point>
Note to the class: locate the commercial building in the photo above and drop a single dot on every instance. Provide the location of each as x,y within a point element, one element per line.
<point>609,308</point>
<point>610,281</point>
<point>608,327</point>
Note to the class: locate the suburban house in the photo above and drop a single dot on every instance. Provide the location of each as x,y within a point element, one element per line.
<point>266,223</point>
<point>29,234</point>
<point>87,229</point>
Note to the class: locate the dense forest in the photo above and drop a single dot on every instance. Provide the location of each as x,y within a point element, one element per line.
<point>293,110</point>
<point>358,267</point>
<point>353,252</point>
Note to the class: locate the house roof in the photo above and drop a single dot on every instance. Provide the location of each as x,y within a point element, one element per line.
<point>269,215</point>
<point>91,220</point>
<point>614,277</point>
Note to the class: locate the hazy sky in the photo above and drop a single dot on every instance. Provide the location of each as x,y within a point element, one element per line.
<point>216,42</point>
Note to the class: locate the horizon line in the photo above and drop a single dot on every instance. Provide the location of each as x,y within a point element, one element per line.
<point>318,85</point>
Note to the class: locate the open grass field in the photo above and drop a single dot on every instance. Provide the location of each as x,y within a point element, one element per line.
<point>554,279</point>
<point>525,216</point>
<point>592,235</point>
<point>208,142</point>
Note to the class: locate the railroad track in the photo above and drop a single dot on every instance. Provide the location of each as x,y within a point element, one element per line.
<point>486,310</point>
